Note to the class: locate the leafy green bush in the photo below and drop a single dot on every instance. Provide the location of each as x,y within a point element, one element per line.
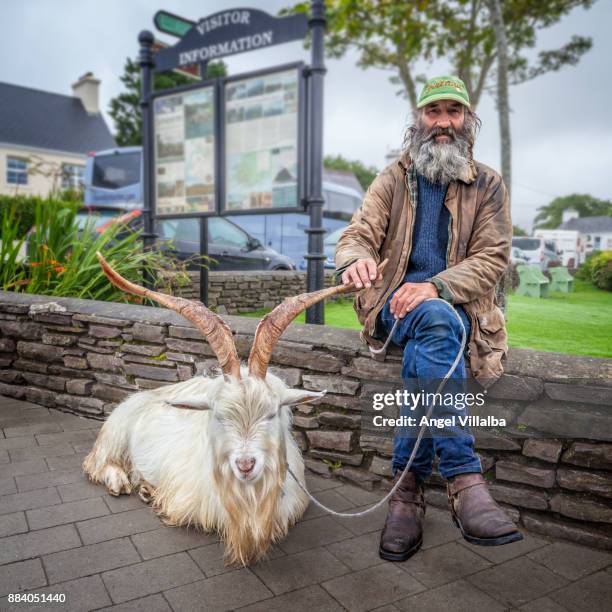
<point>597,269</point>
<point>22,208</point>
<point>61,257</point>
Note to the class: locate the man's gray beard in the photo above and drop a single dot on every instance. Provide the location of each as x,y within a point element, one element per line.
<point>439,162</point>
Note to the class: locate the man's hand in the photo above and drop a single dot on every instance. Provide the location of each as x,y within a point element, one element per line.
<point>409,296</point>
<point>363,272</point>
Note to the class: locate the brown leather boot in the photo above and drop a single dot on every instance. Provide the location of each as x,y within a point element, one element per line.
<point>475,512</point>
<point>402,534</point>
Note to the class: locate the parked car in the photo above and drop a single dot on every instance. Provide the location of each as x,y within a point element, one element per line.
<point>539,251</point>
<point>517,256</point>
<point>329,248</point>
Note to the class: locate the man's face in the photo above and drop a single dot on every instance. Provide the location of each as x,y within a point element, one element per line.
<point>442,115</point>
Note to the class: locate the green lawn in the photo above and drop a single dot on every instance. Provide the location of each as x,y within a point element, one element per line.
<point>578,323</point>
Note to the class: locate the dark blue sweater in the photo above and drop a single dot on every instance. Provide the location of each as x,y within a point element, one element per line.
<point>430,232</point>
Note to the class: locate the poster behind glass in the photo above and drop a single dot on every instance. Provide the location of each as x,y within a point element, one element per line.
<point>261,142</point>
<point>184,152</point>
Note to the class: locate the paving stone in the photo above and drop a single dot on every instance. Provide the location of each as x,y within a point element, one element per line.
<point>441,564</point>
<point>79,490</point>
<point>11,524</point>
<point>372,587</point>
<point>499,554</point>
<point>21,468</point>
<point>438,528</point>
<point>23,454</point>
<point>20,576</point>
<point>22,442</point>
<point>305,600</point>
<point>591,593</point>
<point>70,512</point>
<point>312,533</point>
<point>31,429</point>
<point>316,483</point>
<point>224,592</point>
<point>73,422</point>
<point>151,577</point>
<point>88,560</point>
<point>359,496</point>
<point>165,541</point>
<point>570,560</point>
<point>543,604</point>
<point>35,543</point>
<point>517,581</point>
<point>117,525</point>
<point>358,553</point>
<point>210,559</point>
<point>123,502</point>
<point>29,500</point>
<point>66,462</point>
<point>81,595</point>
<point>329,498</point>
<point>7,485</point>
<point>66,437</point>
<point>459,596</point>
<point>49,479</point>
<point>299,570</point>
<point>152,603</point>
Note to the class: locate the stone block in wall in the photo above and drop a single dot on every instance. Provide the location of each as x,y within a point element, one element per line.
<point>347,402</point>
<point>60,370</point>
<point>330,440</point>
<point>292,377</point>
<point>486,461</point>
<point>40,396</point>
<point>7,345</point>
<point>16,391</point>
<point>184,333</point>
<point>149,350</point>
<point>436,497</point>
<point>151,372</point>
<point>134,358</point>
<point>381,466</point>
<point>317,467</point>
<point>30,366</point>
<point>109,393</point>
<point>368,369</point>
<point>106,363</point>
<point>91,405</point>
<point>56,383</point>
<point>491,441</point>
<point>579,393</point>
<point>300,439</point>
<point>545,450</point>
<point>333,384</point>
<point>305,422</point>
<point>519,496</point>
<point>550,526</point>
<point>79,386</point>
<point>39,352</point>
<point>516,388</point>
<point>596,483</point>
<point>303,356</point>
<point>78,363</point>
<point>341,421</point>
<point>11,376</point>
<point>24,330</point>
<point>526,474</point>
<point>59,339</point>
<point>6,359</point>
<point>379,444</point>
<point>180,357</point>
<point>354,459</point>
<point>585,454</point>
<point>148,333</point>
<point>116,380</point>
<point>144,383</point>
<point>101,320</point>
<point>188,346</point>
<point>581,509</point>
<point>568,420</point>
<point>185,372</point>
<point>360,477</point>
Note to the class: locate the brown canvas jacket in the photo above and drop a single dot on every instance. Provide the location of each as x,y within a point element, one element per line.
<point>480,235</point>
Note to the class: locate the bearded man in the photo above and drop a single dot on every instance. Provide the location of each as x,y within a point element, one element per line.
<point>442,221</point>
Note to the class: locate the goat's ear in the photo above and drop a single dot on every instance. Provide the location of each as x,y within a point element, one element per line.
<point>190,403</point>
<point>300,396</point>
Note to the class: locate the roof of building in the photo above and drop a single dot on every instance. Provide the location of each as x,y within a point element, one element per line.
<point>45,120</point>
<point>589,225</point>
<point>346,178</point>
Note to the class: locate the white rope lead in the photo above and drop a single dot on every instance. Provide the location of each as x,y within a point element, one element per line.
<point>419,437</point>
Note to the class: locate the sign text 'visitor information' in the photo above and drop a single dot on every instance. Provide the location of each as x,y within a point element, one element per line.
<point>230,32</point>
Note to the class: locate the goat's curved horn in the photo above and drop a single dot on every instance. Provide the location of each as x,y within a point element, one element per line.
<point>272,326</point>
<point>213,327</point>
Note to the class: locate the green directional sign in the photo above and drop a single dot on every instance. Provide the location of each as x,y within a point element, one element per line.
<point>172,24</point>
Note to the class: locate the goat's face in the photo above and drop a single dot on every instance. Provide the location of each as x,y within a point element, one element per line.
<point>249,421</point>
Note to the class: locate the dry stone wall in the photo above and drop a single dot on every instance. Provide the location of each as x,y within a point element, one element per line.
<point>551,468</point>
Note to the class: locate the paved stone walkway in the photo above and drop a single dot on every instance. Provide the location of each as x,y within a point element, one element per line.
<point>61,534</point>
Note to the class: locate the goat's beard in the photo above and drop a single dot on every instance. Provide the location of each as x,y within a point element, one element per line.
<point>441,162</point>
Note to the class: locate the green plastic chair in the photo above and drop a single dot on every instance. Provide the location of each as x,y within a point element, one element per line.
<point>532,282</point>
<point>561,280</point>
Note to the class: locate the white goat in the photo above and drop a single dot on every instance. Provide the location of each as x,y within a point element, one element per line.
<point>213,452</point>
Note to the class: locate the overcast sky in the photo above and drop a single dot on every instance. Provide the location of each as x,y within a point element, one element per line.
<point>561,122</point>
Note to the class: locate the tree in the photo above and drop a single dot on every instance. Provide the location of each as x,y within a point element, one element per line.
<point>518,231</point>
<point>125,108</point>
<point>365,175</point>
<point>551,215</point>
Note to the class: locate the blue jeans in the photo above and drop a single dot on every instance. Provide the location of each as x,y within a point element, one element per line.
<point>431,338</point>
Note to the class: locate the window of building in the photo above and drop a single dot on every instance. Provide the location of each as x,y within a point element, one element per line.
<point>72,176</point>
<point>16,171</point>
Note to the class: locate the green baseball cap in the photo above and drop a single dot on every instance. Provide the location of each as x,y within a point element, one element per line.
<point>444,88</point>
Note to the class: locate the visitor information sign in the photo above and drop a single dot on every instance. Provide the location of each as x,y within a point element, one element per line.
<point>184,145</point>
<point>261,142</point>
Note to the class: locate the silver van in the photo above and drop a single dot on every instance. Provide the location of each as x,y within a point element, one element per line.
<point>539,251</point>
